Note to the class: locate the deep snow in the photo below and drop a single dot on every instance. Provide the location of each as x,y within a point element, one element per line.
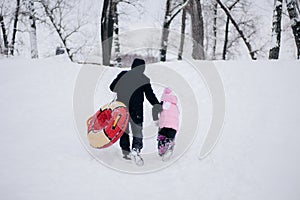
<point>42,156</point>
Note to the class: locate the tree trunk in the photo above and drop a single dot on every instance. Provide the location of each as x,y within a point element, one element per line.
<point>197,30</point>
<point>182,37</point>
<point>116,36</point>
<point>165,32</point>
<point>294,14</point>
<point>15,26</point>
<point>4,35</point>
<point>32,31</point>
<point>107,28</point>
<point>248,45</point>
<point>215,31</point>
<point>226,39</point>
<point>276,30</point>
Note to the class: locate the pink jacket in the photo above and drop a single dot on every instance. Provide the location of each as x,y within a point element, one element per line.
<point>169,117</point>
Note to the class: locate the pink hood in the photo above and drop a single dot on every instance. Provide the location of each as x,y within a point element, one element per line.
<point>169,98</point>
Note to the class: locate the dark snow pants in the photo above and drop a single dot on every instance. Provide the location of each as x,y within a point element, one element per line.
<point>168,133</point>
<point>137,142</point>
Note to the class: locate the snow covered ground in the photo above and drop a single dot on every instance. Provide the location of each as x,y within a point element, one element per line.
<point>42,155</point>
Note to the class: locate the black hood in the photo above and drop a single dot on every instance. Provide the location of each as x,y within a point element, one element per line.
<point>138,64</point>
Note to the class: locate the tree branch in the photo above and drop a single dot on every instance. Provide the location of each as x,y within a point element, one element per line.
<point>180,8</point>
<point>248,45</point>
<point>57,28</point>
<point>232,6</point>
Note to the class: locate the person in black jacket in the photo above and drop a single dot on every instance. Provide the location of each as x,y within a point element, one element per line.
<point>130,87</point>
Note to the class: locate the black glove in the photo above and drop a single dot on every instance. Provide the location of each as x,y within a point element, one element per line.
<point>156,109</point>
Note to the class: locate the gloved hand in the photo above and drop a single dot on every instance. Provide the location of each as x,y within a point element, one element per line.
<point>156,123</point>
<point>156,109</point>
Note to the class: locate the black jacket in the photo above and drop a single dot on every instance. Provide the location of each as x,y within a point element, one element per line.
<point>130,87</point>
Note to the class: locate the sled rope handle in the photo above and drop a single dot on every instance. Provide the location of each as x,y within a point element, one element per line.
<point>116,121</point>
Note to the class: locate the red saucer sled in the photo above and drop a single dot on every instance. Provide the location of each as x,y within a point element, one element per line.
<point>107,125</point>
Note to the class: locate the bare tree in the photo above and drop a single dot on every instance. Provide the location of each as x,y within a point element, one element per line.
<point>107,27</point>
<point>11,16</point>
<point>32,28</point>
<point>15,27</point>
<point>116,35</point>
<point>182,37</point>
<point>14,13</point>
<point>56,11</point>
<point>110,29</point>
<point>276,30</point>
<point>165,32</point>
<point>4,35</point>
<point>294,14</point>
<point>170,14</point>
<point>215,8</point>
<point>225,46</point>
<point>241,33</point>
<point>195,10</point>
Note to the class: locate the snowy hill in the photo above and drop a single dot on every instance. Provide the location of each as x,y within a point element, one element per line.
<point>43,157</point>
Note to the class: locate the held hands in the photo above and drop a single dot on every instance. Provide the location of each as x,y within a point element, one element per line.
<point>156,109</point>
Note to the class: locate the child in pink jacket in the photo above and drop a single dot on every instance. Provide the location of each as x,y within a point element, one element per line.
<point>168,122</point>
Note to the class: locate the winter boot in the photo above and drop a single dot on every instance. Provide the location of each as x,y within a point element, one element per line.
<point>126,155</point>
<point>135,154</point>
<point>162,147</point>
<point>169,148</point>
